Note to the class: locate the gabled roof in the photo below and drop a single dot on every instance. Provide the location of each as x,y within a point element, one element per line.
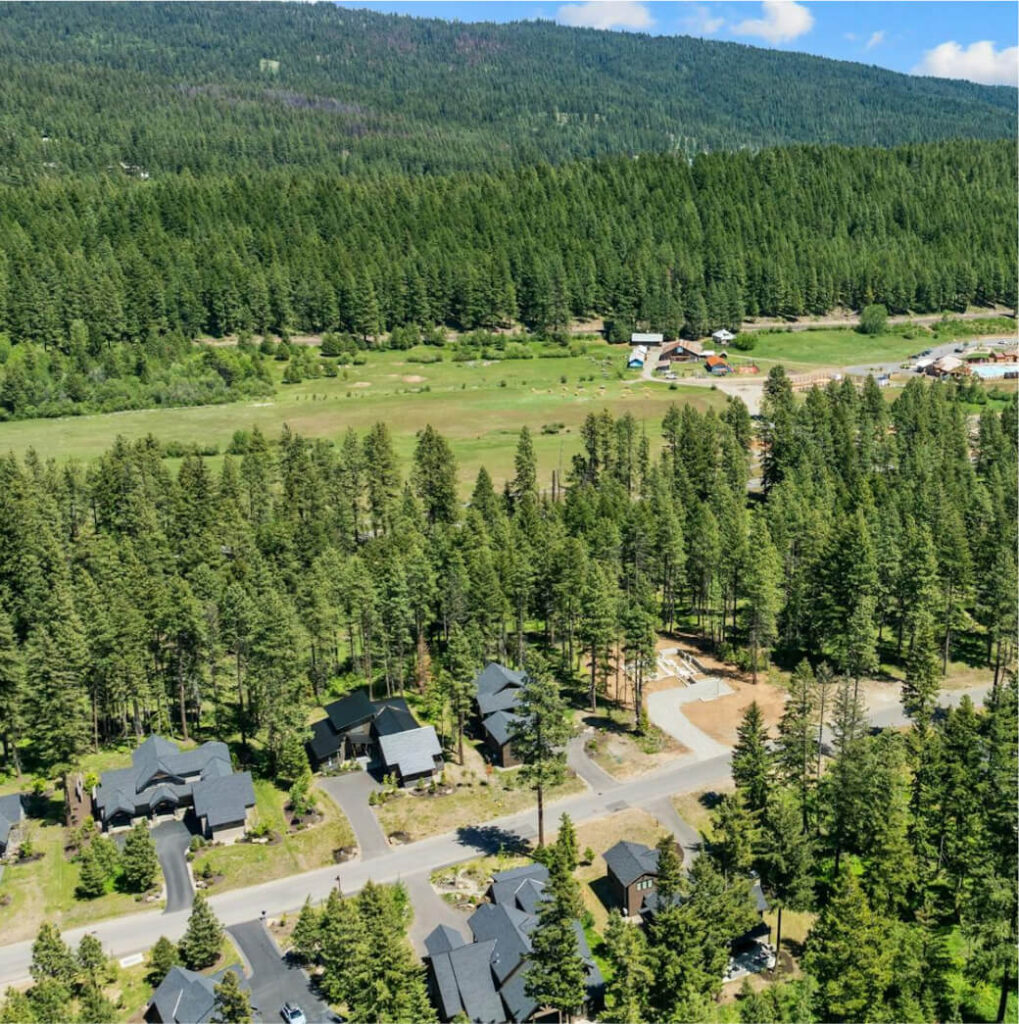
<point>325,740</point>
<point>757,895</point>
<point>464,981</point>
<point>11,812</point>
<point>500,726</point>
<point>644,336</point>
<point>392,719</point>
<point>495,677</point>
<point>411,752</point>
<point>186,997</point>
<point>693,347</point>
<point>504,700</point>
<point>354,709</point>
<point>510,928</point>
<point>442,939</point>
<point>224,800</point>
<point>630,861</point>
<point>520,887</point>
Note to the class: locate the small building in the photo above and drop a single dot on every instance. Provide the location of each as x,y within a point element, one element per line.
<point>1004,355</point>
<point>717,365</point>
<point>12,812</point>
<point>948,366</point>
<point>497,690</point>
<point>632,874</point>
<point>638,356</point>
<point>411,755</point>
<point>186,997</point>
<point>883,380</point>
<point>722,337</point>
<point>646,339</point>
<point>681,351</point>
<point>167,782</point>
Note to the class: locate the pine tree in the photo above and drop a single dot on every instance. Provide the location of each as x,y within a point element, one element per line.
<point>344,952</point>
<point>13,693</point>
<point>233,1006</point>
<point>736,835</point>
<point>459,681</point>
<point>597,624</point>
<point>751,761</point>
<point>93,875</point>
<point>435,476</point>
<point>139,860</point>
<point>51,959</point>
<point>525,479</point>
<point>16,1008</point>
<point>92,959</point>
<point>922,683</point>
<point>95,1006</point>
<point>50,1001</point>
<point>762,585</point>
<point>797,746</point>
<point>163,955</point>
<point>307,934</point>
<point>632,974</point>
<point>199,948</point>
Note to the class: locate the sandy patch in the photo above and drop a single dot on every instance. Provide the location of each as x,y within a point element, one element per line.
<point>412,378</point>
<point>361,384</point>
<point>720,718</point>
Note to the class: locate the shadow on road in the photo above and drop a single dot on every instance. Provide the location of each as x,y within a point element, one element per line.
<point>490,839</point>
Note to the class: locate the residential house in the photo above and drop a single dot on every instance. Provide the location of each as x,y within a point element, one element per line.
<point>717,365</point>
<point>185,997</point>
<point>947,366</point>
<point>167,782</point>
<point>486,979</point>
<point>722,337</point>
<point>11,814</point>
<point>355,726</point>
<point>498,690</point>
<point>632,874</point>
<point>680,352</point>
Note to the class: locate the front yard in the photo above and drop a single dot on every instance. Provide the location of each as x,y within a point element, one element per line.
<point>286,853</point>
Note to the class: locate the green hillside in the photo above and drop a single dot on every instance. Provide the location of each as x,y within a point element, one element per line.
<point>159,88</point>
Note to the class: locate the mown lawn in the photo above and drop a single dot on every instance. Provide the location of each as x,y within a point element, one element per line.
<point>310,848</point>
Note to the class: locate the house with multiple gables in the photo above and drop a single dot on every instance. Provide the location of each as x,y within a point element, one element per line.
<point>485,980</point>
<point>167,782</point>
<point>186,997</point>
<point>497,691</point>
<point>385,732</point>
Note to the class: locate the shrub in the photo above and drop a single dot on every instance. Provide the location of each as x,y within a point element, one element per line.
<point>873,319</point>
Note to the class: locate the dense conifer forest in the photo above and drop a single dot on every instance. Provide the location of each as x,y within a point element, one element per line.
<point>165,88</point>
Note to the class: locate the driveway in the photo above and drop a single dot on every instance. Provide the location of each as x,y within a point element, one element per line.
<point>591,772</point>
<point>172,839</point>
<point>664,709</point>
<point>274,979</point>
<point>430,910</point>
<point>351,792</point>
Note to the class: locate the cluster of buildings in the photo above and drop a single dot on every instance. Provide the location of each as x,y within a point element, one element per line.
<point>680,351</point>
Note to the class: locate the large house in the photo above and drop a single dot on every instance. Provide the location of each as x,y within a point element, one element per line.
<point>484,980</point>
<point>185,997</point>
<point>167,782</point>
<point>385,732</point>
<point>680,352</point>
<point>11,813</point>
<point>497,690</point>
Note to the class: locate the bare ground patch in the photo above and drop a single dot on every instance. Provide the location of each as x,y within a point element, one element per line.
<point>720,718</point>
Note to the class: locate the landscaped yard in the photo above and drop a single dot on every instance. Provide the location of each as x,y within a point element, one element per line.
<point>43,890</point>
<point>237,865</point>
<point>615,749</point>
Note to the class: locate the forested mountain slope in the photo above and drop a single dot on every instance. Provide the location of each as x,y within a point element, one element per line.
<point>653,241</point>
<point>159,88</point>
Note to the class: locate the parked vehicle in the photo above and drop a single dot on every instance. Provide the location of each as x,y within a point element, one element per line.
<point>293,1014</point>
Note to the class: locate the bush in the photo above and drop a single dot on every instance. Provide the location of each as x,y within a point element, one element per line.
<point>744,342</point>
<point>873,319</point>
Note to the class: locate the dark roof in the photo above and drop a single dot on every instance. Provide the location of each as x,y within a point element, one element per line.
<point>495,677</point>
<point>630,861</point>
<point>325,740</point>
<point>520,887</point>
<point>224,801</point>
<point>186,997</point>
<point>500,726</point>
<point>11,812</point>
<point>412,752</point>
<point>392,720</point>
<point>504,700</point>
<point>463,978</point>
<point>442,939</point>
<point>354,709</point>
<point>757,895</point>
<point>510,928</point>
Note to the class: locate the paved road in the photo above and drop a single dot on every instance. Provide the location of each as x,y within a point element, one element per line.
<point>274,980</point>
<point>172,839</point>
<point>137,932</point>
<point>592,773</point>
<point>351,792</point>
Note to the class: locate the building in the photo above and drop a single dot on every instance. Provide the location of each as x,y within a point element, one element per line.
<point>355,726</point>
<point>722,337</point>
<point>185,997</point>
<point>680,352</point>
<point>638,356</point>
<point>497,690</point>
<point>947,366</point>
<point>12,812</point>
<point>485,979</point>
<point>167,782</point>
<point>637,338</point>
<point>632,874</point>
<point>717,365</point>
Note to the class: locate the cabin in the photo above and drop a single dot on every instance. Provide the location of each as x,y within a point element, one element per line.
<point>717,365</point>
<point>722,337</point>
<point>186,997</point>
<point>497,690</point>
<point>947,366</point>
<point>680,352</point>
<point>165,782</point>
<point>632,875</point>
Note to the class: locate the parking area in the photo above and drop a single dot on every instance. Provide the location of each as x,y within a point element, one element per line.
<point>275,980</point>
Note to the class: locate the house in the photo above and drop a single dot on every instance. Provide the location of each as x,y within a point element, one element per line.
<point>185,997</point>
<point>632,873</point>
<point>883,380</point>
<point>638,356</point>
<point>680,351</point>
<point>11,814</point>
<point>498,690</point>
<point>717,365</point>
<point>637,338</point>
<point>167,782</point>
<point>947,366</point>
<point>722,337</point>
<point>485,979</point>
<point>355,726</point>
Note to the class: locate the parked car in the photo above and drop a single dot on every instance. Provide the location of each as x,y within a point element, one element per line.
<point>293,1014</point>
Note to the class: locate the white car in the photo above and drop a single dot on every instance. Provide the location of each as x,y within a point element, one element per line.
<point>293,1014</point>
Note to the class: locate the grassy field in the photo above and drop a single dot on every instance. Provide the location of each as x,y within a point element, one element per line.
<point>311,848</point>
<point>479,407</point>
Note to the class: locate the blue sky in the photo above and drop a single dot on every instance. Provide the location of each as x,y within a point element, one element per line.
<point>970,39</point>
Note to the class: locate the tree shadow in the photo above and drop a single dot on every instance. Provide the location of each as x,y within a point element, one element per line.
<point>603,890</point>
<point>490,840</point>
<point>605,724</point>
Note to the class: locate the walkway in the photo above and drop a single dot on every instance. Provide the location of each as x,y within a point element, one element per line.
<point>351,792</point>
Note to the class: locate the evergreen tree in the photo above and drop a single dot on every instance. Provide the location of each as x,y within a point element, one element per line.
<point>51,959</point>
<point>762,586</point>
<point>307,934</point>
<point>139,860</point>
<point>751,761</point>
<point>93,874</point>
<point>786,857</point>
<point>13,694</point>
<point>92,959</point>
<point>736,835</point>
<point>797,746</point>
<point>459,681</point>
<point>435,476</point>
<point>16,1008</point>
<point>199,948</point>
<point>233,1006</point>
<point>632,974</point>
<point>162,957</point>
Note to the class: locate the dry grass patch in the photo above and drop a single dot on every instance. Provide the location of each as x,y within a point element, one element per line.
<point>695,808</point>
<point>615,749</point>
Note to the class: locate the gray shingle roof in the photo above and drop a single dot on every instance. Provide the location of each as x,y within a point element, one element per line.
<point>500,726</point>
<point>442,939</point>
<point>629,861</point>
<point>224,800</point>
<point>504,700</point>
<point>465,984</point>
<point>325,740</point>
<point>349,711</point>
<point>391,720</point>
<point>186,997</point>
<point>510,928</point>
<point>520,887</point>
<point>11,812</point>
<point>411,752</point>
<point>494,677</point>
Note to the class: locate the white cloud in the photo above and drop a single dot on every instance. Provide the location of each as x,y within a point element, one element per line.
<point>978,62</point>
<point>851,36</point>
<point>606,14</point>
<point>701,22</point>
<point>781,21</point>
<point>876,39</point>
